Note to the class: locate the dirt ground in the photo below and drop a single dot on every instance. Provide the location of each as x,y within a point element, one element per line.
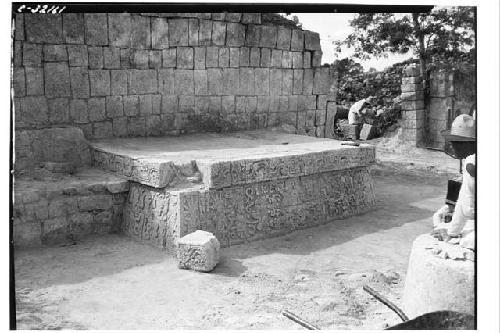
<point>113,282</point>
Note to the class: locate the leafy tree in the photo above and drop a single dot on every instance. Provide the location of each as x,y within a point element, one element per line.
<point>445,35</point>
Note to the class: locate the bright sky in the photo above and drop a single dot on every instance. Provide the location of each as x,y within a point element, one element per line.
<point>335,26</point>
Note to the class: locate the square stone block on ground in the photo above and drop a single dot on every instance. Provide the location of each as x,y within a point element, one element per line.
<point>198,251</point>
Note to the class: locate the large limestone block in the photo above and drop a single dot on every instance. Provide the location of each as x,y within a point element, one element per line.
<point>198,251</point>
<point>44,28</point>
<point>434,283</point>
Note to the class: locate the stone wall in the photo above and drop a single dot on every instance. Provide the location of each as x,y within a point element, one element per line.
<point>171,73</point>
<point>413,106</point>
<point>451,93</point>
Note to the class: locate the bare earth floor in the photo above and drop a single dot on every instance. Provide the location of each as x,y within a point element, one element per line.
<point>113,282</point>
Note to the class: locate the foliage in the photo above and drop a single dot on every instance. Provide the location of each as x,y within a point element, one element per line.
<point>448,35</point>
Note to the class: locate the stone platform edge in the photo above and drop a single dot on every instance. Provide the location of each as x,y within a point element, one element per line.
<point>218,174</point>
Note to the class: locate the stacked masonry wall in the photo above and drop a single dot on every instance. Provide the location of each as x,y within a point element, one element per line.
<point>154,74</point>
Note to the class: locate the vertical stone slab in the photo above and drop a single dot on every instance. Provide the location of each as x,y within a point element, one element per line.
<point>276,58</point>
<point>307,86</point>
<point>19,82</point>
<point>252,35</point>
<point>215,81</point>
<point>118,82</point>
<point>199,57</point>
<point>212,57</point>
<point>194,27</point>
<point>96,59</point>
<point>169,57</point>
<point>287,85</point>
<point>254,57</point>
<point>205,34</point>
<point>184,82</point>
<point>262,81</point>
<point>32,55</point>
<point>235,35</point>
<point>247,81</point>
<point>307,59</point>
<point>234,57</point>
<point>19,26</point>
<point>244,57</point>
<point>298,77</point>
<point>58,110</point>
<point>34,110</point>
<point>159,33</point>
<point>131,105</point>
<point>114,106</point>
<point>219,33</point>
<point>265,57</point>
<point>97,109</point>
<point>311,41</point>
<point>96,29</point>
<point>166,81</point>
<point>284,38</point>
<point>140,37</point>
<point>34,81</point>
<point>185,57</point>
<point>73,28</point>
<point>275,80</point>
<point>297,42</point>
<point>224,57</point>
<point>78,55</point>
<point>142,81</point>
<point>231,81</point>
<point>78,112</point>
<point>57,82</point>
<point>321,81</point>
<point>268,36</point>
<point>200,82</point>
<point>286,60</point>
<point>155,59</point>
<point>120,29</point>
<point>178,32</point>
<point>297,61</point>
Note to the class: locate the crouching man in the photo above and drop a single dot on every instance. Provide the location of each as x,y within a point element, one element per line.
<point>460,229</point>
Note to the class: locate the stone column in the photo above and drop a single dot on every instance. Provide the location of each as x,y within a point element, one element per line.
<point>413,106</point>
<point>331,106</point>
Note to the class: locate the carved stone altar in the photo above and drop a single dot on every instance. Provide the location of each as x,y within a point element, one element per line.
<point>240,186</point>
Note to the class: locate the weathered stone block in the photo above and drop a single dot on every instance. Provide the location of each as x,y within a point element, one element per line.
<point>19,82</point>
<point>316,58</point>
<point>184,82</point>
<point>275,81</point>
<point>99,82</point>
<point>194,28</point>
<point>186,104</point>
<point>321,83</point>
<point>19,26</point>
<point>145,105</point>
<point>297,42</point>
<point>78,55</point>
<point>169,104</point>
<point>73,28</point>
<point>262,81</point>
<point>119,127</point>
<point>247,81</point>
<point>200,82</point>
<point>231,81</point>
<point>111,57</point>
<point>166,81</point>
<point>18,54</point>
<point>178,32</point>
<point>79,78</point>
<point>224,57</point>
<point>215,81</point>
<point>136,126</point>
<point>96,29</point>
<point>55,53</point>
<point>265,57</point>
<point>268,36</point>
<point>297,61</point>
<point>159,34</point>
<point>57,82</point>
<point>252,35</point>
<point>142,81</point>
<point>251,18</point>
<point>120,29</point>
<point>412,95</point>
<point>412,105</point>
<point>32,55</point>
<point>201,104</point>
<point>254,57</point>
<point>212,55</point>
<point>42,28</point>
<point>284,38</point>
<point>283,104</point>
<point>298,77</point>
<point>58,110</point>
<point>205,34</point>
<point>156,101</point>
<point>218,16</point>
<point>199,57</point>
<point>155,59</point>
<point>287,85</point>
<point>234,57</point>
<point>307,59</point>
<point>102,129</point>
<point>154,125</point>
<point>286,60</point>
<point>131,105</point>
<point>97,109</point>
<point>307,84</point>
<point>185,57</point>
<point>312,41</point>
<point>218,33</point>
<point>140,38</point>
<point>244,56</point>
<point>78,111</point>
<point>276,58</point>
<point>118,82</point>
<point>169,57</point>
<point>95,58</point>
<point>114,106</point>
<point>235,34</point>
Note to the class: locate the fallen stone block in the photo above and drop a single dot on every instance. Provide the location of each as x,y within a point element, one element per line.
<point>367,132</point>
<point>198,251</point>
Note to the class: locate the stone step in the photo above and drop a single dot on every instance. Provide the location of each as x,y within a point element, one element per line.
<point>225,160</point>
<point>52,208</point>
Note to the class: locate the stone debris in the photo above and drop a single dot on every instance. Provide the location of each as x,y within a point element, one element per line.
<point>198,251</point>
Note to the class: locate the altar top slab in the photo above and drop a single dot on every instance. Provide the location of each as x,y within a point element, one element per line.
<point>150,160</point>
